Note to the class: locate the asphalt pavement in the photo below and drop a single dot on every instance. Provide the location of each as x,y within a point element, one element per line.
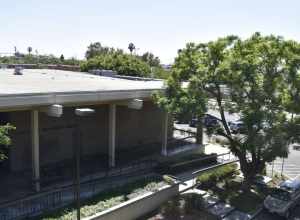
<point>291,165</point>
<point>265,215</point>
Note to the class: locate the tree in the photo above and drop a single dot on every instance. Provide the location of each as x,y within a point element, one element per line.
<point>123,64</point>
<point>4,139</point>
<point>151,59</point>
<point>62,58</point>
<point>29,49</point>
<point>248,77</point>
<point>131,47</point>
<point>96,49</point>
<point>38,59</point>
<point>99,57</point>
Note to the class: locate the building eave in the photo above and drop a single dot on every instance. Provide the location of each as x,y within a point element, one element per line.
<point>24,101</point>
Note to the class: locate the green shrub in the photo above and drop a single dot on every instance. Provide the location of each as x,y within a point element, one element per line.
<point>106,199</point>
<point>123,64</point>
<point>211,177</point>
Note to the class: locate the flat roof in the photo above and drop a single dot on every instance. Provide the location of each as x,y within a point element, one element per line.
<point>45,86</point>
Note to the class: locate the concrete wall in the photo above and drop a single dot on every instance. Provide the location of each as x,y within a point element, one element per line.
<point>56,136</point>
<point>20,151</point>
<point>134,127</point>
<point>137,207</point>
<point>138,127</point>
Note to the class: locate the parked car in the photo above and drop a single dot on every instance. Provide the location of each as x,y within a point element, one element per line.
<point>193,123</point>
<point>237,127</point>
<point>296,147</point>
<point>284,198</point>
<point>209,121</point>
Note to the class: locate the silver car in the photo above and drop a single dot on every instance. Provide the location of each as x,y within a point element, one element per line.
<point>284,198</point>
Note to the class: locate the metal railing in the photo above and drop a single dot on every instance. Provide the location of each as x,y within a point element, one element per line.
<point>184,133</point>
<point>63,196</point>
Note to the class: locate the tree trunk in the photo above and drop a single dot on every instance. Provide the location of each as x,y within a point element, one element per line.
<point>250,171</point>
<point>246,184</point>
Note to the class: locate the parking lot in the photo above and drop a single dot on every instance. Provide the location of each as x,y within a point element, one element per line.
<point>291,168</point>
<point>291,165</point>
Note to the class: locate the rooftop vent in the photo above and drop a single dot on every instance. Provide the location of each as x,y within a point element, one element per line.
<point>109,73</point>
<point>18,70</point>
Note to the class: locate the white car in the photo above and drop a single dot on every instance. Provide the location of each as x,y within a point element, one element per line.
<point>284,198</point>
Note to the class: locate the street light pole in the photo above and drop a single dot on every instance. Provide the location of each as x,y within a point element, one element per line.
<point>272,168</point>
<point>282,166</point>
<point>81,112</point>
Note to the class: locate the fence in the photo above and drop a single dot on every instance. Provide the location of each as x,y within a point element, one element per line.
<point>226,157</point>
<point>47,201</point>
<point>183,133</point>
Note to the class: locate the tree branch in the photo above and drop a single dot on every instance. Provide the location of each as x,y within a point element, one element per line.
<point>219,101</point>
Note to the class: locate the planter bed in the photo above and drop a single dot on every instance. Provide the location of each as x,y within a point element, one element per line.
<point>106,199</point>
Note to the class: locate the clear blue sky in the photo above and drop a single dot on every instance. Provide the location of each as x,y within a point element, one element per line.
<point>159,26</point>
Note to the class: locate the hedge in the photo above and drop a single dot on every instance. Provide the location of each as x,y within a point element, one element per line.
<point>210,178</point>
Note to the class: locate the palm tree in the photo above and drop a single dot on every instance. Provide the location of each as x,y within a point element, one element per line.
<point>29,49</point>
<point>131,47</point>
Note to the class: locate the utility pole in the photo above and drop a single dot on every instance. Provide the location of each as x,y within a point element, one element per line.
<point>272,167</point>
<point>282,166</point>
<point>77,142</point>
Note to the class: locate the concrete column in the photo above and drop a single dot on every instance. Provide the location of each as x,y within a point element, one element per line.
<point>112,134</point>
<point>35,148</point>
<point>165,120</point>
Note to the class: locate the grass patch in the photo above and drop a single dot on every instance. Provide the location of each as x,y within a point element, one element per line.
<point>105,200</point>
<point>247,202</point>
<point>231,193</point>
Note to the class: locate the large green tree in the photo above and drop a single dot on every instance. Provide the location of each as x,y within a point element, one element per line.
<point>252,78</point>
<point>96,49</point>
<point>151,59</point>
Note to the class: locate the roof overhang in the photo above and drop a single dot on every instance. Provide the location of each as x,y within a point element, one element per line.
<point>29,101</point>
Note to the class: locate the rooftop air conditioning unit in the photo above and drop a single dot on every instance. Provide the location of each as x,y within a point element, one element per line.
<point>99,72</point>
<point>135,104</point>
<point>95,72</point>
<point>109,73</point>
<point>18,70</point>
